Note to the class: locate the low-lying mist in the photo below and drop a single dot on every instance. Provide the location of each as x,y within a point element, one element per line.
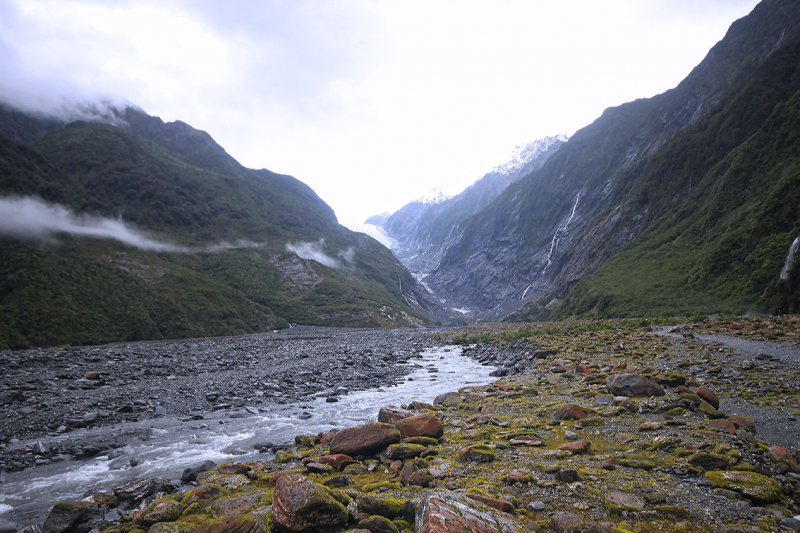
<point>313,250</point>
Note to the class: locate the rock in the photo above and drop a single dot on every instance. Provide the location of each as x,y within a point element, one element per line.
<point>166,511</point>
<point>634,385</point>
<point>779,454</point>
<point>621,501</point>
<point>445,512</point>
<point>706,394</point>
<point>580,446</point>
<point>378,524</point>
<point>300,505</point>
<point>239,503</point>
<point>379,504</point>
<point>336,460</point>
<point>519,476</point>
<point>500,372</point>
<point>420,426</point>
<point>234,468</point>
<point>566,522</point>
<point>227,481</point>
<point>191,473</point>
<point>567,475</point>
<point>7,526</point>
<point>622,438</point>
<point>500,505</point>
<point>570,435</point>
<point>755,487</point>
<point>92,375</point>
<point>72,517</point>
<point>10,396</point>
<point>319,468</point>
<point>708,461</point>
<point>570,412</point>
<point>725,425</point>
<point>364,440</point>
<point>421,478</point>
<point>477,453</point>
<point>525,441</point>
<point>421,406</point>
<point>247,523</point>
<point>403,450</point>
<point>391,416</point>
<point>136,490</point>
<point>439,400</point>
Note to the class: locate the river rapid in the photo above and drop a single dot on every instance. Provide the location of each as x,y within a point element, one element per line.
<point>164,447</point>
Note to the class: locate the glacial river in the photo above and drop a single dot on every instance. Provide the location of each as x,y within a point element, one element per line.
<point>164,447</point>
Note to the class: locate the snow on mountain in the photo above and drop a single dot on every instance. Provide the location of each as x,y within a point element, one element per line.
<point>526,153</point>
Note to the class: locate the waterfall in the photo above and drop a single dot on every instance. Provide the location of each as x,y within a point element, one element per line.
<point>790,258</point>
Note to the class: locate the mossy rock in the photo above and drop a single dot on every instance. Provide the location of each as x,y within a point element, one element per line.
<point>378,524</point>
<point>641,464</point>
<point>477,453</point>
<point>424,441</point>
<point>709,410</point>
<point>753,486</point>
<point>380,504</point>
<point>379,485</point>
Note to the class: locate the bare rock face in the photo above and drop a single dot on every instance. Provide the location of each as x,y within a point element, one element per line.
<point>364,440</point>
<point>634,385</point>
<point>449,512</point>
<point>420,426</point>
<point>300,505</point>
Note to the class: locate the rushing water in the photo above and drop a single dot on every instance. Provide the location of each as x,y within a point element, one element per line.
<point>166,446</point>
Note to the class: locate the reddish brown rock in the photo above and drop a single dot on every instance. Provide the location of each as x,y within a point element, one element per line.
<point>248,523</point>
<point>579,446</point>
<point>421,478</point>
<point>708,461</point>
<point>92,375</point>
<point>336,460</point>
<point>448,512</point>
<point>421,406</point>
<point>409,468</point>
<point>420,426</point>
<point>500,505</point>
<point>567,475</point>
<point>364,440</point>
<point>391,416</point>
<point>619,367</point>
<point>634,385</point>
<point>239,503</point>
<point>779,454</point>
<point>743,422</point>
<point>300,505</point>
<point>570,412</point>
<point>570,523</point>
<point>706,394</point>
<point>403,451</point>
<point>724,425</point>
<point>519,476</point>
<point>234,468</point>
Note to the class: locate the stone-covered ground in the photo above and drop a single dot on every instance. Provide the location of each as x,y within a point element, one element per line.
<point>606,427</point>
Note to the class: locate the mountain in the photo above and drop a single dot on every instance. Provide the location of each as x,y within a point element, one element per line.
<point>219,249</point>
<point>684,202</point>
<point>421,228</point>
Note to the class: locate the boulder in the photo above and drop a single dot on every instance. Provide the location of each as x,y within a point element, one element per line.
<point>755,487</point>
<point>380,504</point>
<point>634,385</point>
<point>420,426</point>
<point>378,524</point>
<point>162,511</point>
<point>444,512</point>
<point>706,394</point>
<point>403,450</point>
<point>779,454</point>
<point>708,461</point>
<point>442,398</point>
<point>570,412</point>
<point>364,440</point>
<point>72,517</point>
<point>136,490</point>
<point>391,416</point>
<point>477,453</point>
<point>191,473</point>
<point>336,460</point>
<point>300,505</point>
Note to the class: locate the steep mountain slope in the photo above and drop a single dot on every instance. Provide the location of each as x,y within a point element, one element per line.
<point>562,222</point>
<point>422,227</point>
<point>243,250</point>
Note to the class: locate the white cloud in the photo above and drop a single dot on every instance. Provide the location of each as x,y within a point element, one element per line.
<point>32,219</point>
<point>314,250</point>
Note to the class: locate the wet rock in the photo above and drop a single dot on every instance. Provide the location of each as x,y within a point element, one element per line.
<point>191,473</point>
<point>300,505</point>
<point>444,512</point>
<point>364,440</point>
<point>392,416</point>
<point>634,385</point>
<point>420,426</point>
<point>570,412</point>
<point>72,517</point>
<point>755,487</point>
<point>136,490</point>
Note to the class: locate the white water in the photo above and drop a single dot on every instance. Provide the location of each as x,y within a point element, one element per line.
<point>790,258</point>
<point>172,445</point>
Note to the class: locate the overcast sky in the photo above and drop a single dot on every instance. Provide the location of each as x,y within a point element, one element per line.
<point>371,103</point>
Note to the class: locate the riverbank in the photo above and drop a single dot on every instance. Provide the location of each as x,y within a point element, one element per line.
<point>608,427</point>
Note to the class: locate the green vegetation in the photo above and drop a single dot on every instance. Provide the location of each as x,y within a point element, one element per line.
<point>177,184</point>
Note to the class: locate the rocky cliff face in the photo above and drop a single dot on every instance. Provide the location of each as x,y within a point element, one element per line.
<point>558,224</point>
<point>421,228</point>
